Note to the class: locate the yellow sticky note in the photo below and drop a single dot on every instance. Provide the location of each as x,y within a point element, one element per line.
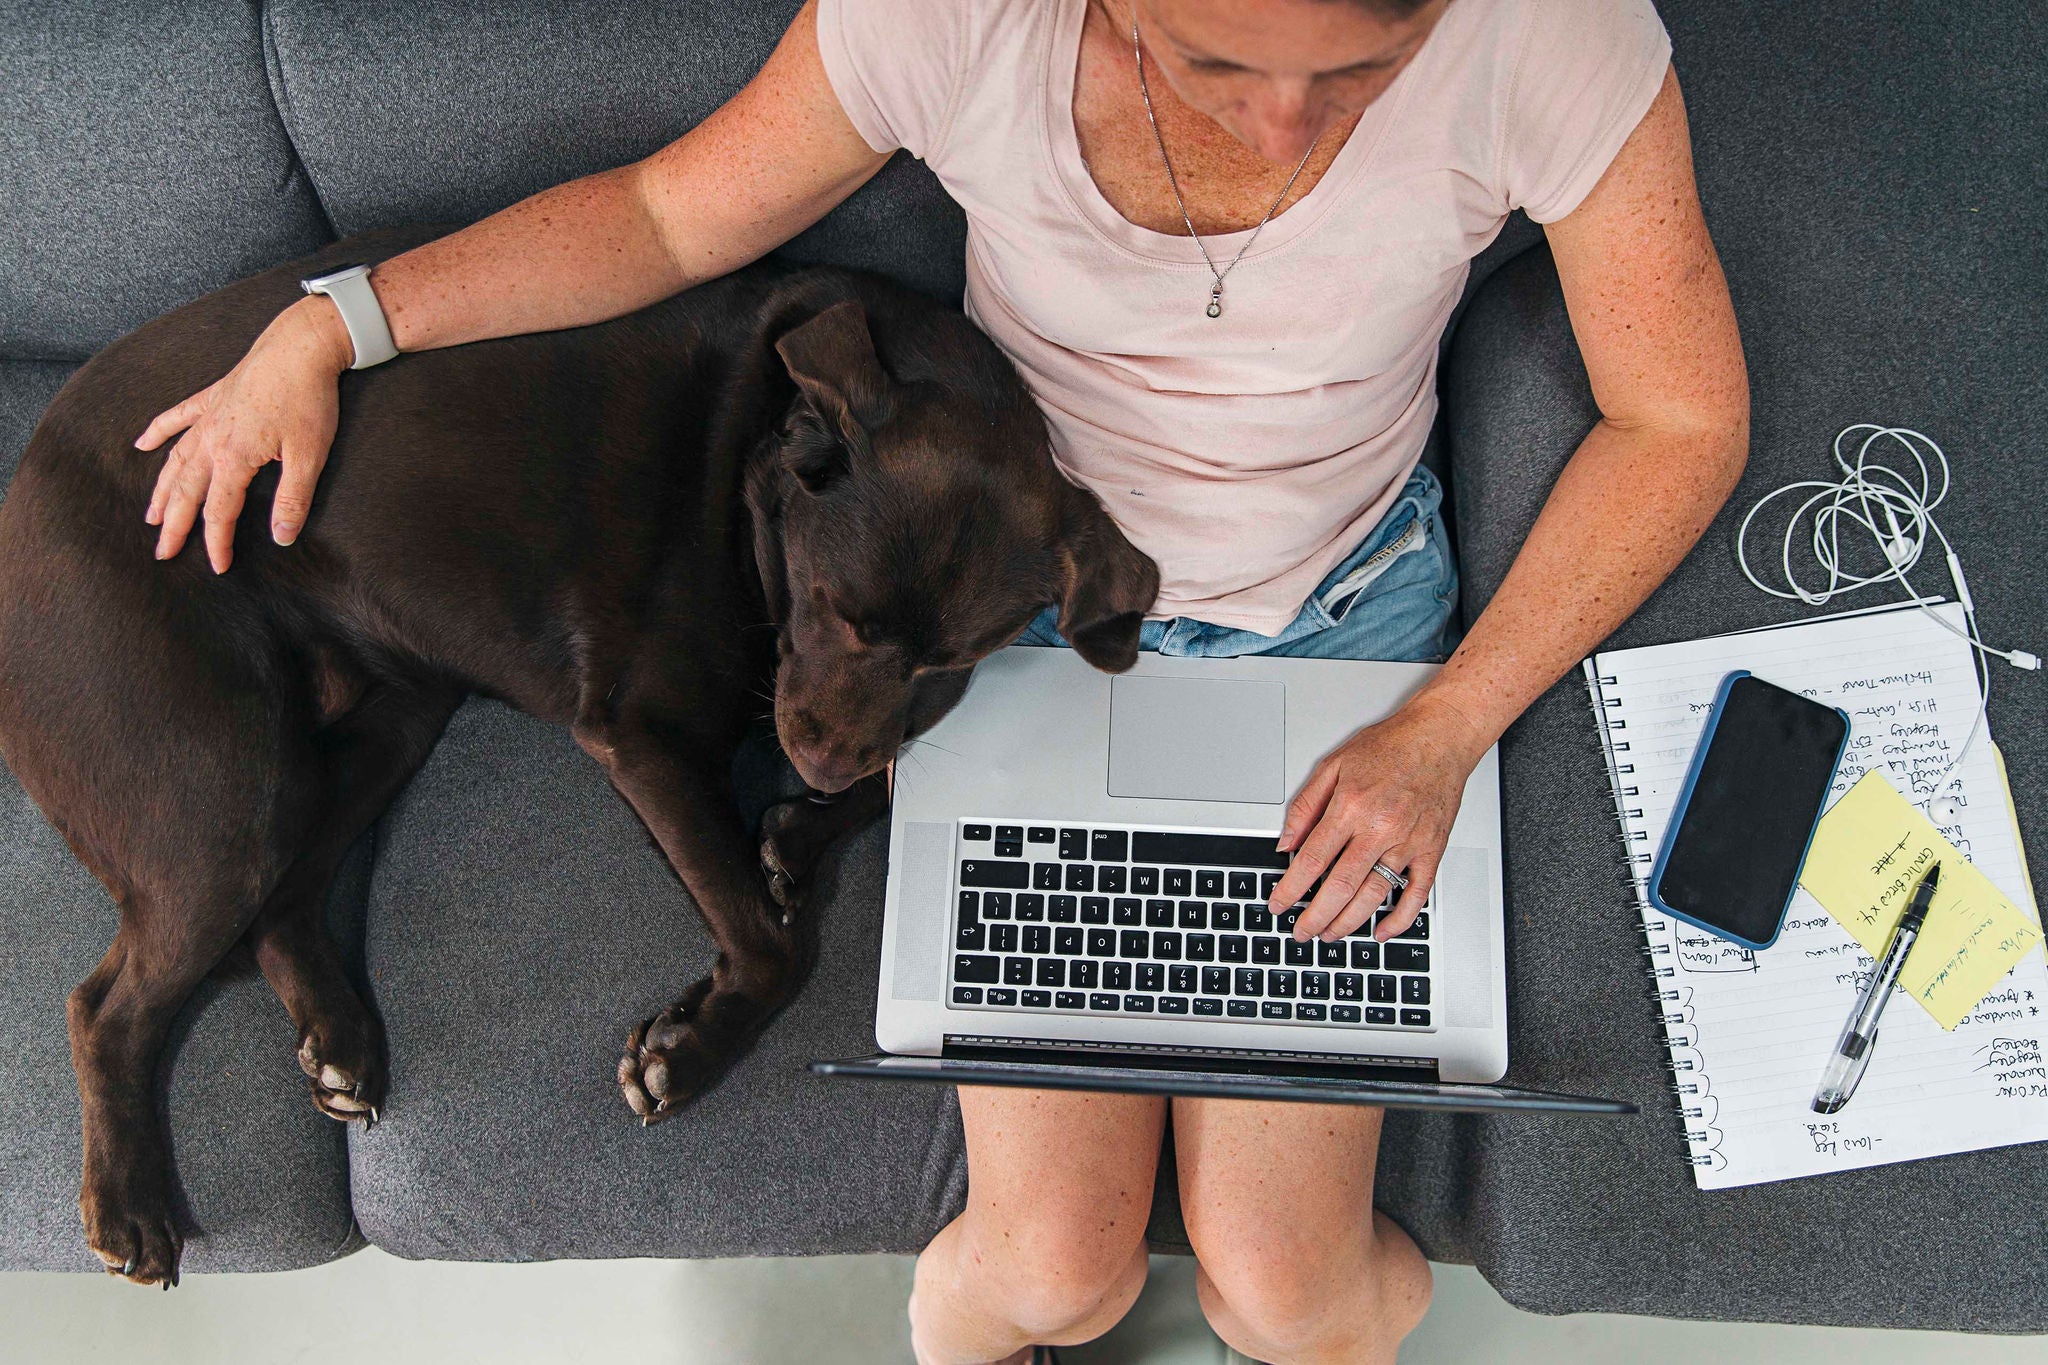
<point>1868,856</point>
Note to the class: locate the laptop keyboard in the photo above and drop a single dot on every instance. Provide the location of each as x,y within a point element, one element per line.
<point>1111,919</point>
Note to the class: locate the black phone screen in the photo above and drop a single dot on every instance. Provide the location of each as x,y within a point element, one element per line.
<point>1742,835</point>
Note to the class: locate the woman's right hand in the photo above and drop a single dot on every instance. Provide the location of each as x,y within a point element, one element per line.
<point>280,402</point>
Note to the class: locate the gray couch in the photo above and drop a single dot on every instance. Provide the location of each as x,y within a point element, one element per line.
<point>1868,170</point>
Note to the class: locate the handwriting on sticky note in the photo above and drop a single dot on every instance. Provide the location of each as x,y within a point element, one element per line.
<point>1869,853</point>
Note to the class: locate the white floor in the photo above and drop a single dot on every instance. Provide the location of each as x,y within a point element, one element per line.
<point>375,1309</point>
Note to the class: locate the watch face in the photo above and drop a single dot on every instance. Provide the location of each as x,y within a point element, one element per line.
<point>332,276</point>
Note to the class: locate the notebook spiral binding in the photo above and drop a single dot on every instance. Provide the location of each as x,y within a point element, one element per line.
<point>1657,950</point>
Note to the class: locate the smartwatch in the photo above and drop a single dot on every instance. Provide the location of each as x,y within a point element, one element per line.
<point>368,332</point>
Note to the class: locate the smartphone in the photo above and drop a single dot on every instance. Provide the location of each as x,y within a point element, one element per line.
<point>1746,814</point>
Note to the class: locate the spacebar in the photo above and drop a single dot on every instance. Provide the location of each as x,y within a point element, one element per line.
<point>1215,850</point>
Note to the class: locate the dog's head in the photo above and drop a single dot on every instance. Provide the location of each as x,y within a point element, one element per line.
<point>909,521</point>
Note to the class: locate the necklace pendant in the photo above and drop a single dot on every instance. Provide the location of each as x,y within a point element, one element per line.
<point>1215,309</point>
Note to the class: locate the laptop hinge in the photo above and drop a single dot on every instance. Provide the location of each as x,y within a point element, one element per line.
<point>957,1043</point>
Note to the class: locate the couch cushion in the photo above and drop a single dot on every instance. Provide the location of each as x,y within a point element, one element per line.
<point>521,922</point>
<point>1567,1216</point>
<point>420,113</point>
<point>145,164</point>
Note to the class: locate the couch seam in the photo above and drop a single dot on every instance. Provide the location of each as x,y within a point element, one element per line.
<point>280,104</point>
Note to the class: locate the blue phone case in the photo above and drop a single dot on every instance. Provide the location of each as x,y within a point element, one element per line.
<point>1699,755</point>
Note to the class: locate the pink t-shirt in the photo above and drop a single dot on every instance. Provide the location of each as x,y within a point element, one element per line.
<point>1248,453</point>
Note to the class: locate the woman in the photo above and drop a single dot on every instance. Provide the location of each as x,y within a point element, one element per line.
<point>1220,239</point>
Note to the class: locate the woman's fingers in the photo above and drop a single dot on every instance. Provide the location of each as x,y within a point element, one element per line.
<point>1421,872</point>
<point>173,420</point>
<point>223,509</point>
<point>293,502</point>
<point>181,491</point>
<point>1371,896</point>
<point>1350,879</point>
<point>1307,806</point>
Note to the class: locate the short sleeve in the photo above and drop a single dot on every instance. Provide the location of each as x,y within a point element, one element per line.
<point>1584,74</point>
<point>896,66</point>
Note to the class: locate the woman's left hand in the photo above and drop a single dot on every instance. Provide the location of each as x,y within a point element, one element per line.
<point>1389,794</point>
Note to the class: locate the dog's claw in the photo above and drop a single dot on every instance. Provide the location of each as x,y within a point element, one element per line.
<point>128,1266</point>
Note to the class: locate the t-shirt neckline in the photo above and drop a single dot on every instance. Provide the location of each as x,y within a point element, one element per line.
<point>1063,146</point>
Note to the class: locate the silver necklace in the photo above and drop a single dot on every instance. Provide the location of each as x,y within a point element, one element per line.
<point>1215,309</point>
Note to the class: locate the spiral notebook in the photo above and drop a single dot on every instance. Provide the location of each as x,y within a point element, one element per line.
<point>1749,1032</point>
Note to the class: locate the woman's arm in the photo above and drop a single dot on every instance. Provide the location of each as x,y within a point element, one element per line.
<point>765,165</point>
<point>1649,307</point>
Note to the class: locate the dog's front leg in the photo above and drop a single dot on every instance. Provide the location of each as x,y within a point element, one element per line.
<point>688,807</point>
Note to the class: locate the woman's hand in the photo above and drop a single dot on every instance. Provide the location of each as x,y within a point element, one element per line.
<point>1388,794</point>
<point>281,402</point>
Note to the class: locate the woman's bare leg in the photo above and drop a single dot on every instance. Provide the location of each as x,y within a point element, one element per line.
<point>1051,1246</point>
<point>1295,1264</point>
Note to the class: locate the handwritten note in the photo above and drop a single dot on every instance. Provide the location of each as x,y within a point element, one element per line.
<point>1749,1032</point>
<point>1868,856</point>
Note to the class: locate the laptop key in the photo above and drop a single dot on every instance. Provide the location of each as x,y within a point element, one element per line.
<point>967,995</point>
<point>1267,881</point>
<point>1010,832</point>
<point>1350,986</point>
<point>1215,980</point>
<point>1417,931</point>
<point>1044,876</point>
<point>1067,941</point>
<point>1002,938</point>
<point>1379,988</point>
<point>1275,1009</point>
<point>1129,910</point>
<point>1038,1000</point>
<point>1009,848</point>
<point>1016,971</point>
<point>1331,955</point>
<point>1415,1018</point>
<point>1151,976</point>
<point>1232,948</point>
<point>994,904</point>
<point>972,938</point>
<point>1365,955</point>
<point>1284,921</point>
<point>1094,909</point>
<point>1116,976</point>
<point>990,872</point>
<point>1134,944</point>
<point>1101,942</point>
<point>1166,946</point>
<point>979,834</point>
<point>1415,990</point>
<point>1201,947</point>
<point>1344,1014</point>
<point>1378,1014</point>
<point>1172,1004</point>
<point>997,996</point>
<point>1210,1008</point>
<point>1030,906</point>
<point>1223,917</point>
<point>1406,957</point>
<point>1081,877</point>
<point>1052,971</point>
<point>1159,914</point>
<point>1208,883</point>
<point>1311,1013</point>
<point>1037,938</point>
<point>1180,980</point>
<point>1137,1004</point>
<point>1194,914</point>
<point>1243,886</point>
<point>970,906</point>
<point>1300,953</point>
<point>1241,1009</point>
<point>1070,1000</point>
<point>1144,881</point>
<point>1315,985</point>
<point>1061,909</point>
<point>1039,834</point>
<point>1179,881</point>
<point>1265,949</point>
<point>1258,919</point>
<point>1109,846</point>
<point>1073,844</point>
<point>1280,982</point>
<point>1110,879</point>
<point>1103,1002</point>
<point>1249,981</point>
<point>1081,975</point>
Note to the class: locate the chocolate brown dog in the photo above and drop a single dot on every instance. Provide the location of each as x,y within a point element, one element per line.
<point>813,480</point>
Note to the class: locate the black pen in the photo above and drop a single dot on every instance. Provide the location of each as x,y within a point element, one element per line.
<point>1859,1035</point>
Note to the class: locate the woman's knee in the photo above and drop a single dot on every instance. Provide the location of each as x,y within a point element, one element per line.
<point>1056,1267</point>
<point>1307,1291</point>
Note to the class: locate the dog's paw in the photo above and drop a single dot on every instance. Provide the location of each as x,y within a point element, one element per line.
<point>788,854</point>
<point>667,1060</point>
<point>344,1060</point>
<point>130,1226</point>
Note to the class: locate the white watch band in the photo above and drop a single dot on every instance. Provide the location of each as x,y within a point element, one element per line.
<point>368,332</point>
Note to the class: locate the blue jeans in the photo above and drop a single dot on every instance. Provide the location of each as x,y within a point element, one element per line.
<point>1394,597</point>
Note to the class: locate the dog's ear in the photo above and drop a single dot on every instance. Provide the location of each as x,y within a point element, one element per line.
<point>1110,584</point>
<point>832,359</point>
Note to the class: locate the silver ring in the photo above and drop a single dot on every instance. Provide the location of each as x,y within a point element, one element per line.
<point>1394,879</point>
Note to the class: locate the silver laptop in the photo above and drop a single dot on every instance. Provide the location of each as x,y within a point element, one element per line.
<point>1079,867</point>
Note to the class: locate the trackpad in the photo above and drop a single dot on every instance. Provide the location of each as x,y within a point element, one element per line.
<point>1198,739</point>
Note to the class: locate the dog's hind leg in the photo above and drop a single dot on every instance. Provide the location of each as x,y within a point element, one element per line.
<point>687,806</point>
<point>367,756</point>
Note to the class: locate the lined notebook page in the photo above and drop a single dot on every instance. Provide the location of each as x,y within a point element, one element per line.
<point>1750,1032</point>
